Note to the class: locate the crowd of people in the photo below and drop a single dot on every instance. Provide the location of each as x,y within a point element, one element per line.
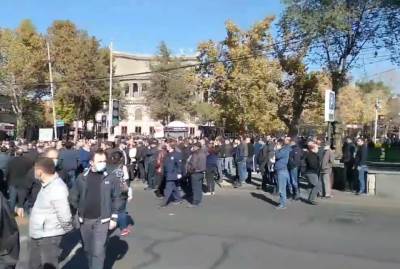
<point>63,186</point>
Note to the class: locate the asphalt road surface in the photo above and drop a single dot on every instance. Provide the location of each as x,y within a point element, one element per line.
<point>240,228</point>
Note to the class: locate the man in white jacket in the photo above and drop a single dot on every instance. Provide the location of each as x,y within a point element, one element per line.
<point>50,217</point>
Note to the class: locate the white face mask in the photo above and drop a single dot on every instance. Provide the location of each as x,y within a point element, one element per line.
<point>101,166</point>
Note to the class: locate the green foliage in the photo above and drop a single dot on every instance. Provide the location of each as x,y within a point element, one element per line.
<point>65,112</point>
<point>22,68</point>
<point>300,90</point>
<point>339,30</point>
<point>77,61</point>
<point>206,112</point>
<point>244,90</point>
<point>168,96</point>
<point>371,86</point>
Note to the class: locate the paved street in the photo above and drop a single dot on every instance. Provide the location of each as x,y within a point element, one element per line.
<point>241,229</point>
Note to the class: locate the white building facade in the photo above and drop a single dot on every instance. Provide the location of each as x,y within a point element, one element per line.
<point>137,118</point>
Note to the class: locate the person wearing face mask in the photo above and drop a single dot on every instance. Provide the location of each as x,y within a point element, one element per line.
<point>52,154</point>
<point>50,217</point>
<point>97,198</point>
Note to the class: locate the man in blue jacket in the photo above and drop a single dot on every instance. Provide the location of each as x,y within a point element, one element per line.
<point>281,169</point>
<point>172,173</point>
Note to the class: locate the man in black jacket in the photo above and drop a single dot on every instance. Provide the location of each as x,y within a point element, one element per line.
<point>97,197</point>
<point>311,165</point>
<point>19,179</point>
<point>197,169</point>
<point>361,164</point>
<point>294,163</point>
<point>264,160</point>
<point>348,151</point>
<point>9,236</point>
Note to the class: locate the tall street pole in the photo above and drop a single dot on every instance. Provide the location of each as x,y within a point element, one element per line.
<point>110,97</point>
<point>52,91</point>
<point>376,120</point>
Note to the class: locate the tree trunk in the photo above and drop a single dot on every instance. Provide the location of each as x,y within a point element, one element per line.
<point>20,128</point>
<point>76,130</point>
<point>337,129</point>
<point>293,128</point>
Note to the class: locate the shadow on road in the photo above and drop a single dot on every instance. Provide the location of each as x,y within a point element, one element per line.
<point>116,250</point>
<point>264,198</point>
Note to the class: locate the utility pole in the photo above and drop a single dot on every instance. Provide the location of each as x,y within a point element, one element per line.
<point>110,96</point>
<point>377,107</point>
<point>52,91</point>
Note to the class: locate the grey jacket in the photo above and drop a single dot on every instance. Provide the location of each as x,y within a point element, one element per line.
<point>51,214</point>
<point>327,161</point>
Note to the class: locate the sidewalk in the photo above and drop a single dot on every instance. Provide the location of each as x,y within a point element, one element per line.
<point>339,197</point>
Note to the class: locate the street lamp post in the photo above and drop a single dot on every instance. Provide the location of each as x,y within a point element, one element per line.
<point>377,107</point>
<point>110,97</point>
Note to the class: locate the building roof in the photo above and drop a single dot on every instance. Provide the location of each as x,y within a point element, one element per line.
<point>147,57</point>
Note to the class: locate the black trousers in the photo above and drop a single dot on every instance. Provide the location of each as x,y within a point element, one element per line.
<point>44,252</point>
<point>142,175</point>
<point>197,187</point>
<point>211,175</point>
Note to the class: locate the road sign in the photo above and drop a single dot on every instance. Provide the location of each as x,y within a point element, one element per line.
<point>45,134</point>
<point>60,123</point>
<point>330,104</point>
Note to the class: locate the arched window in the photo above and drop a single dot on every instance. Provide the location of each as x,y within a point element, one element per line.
<point>126,89</point>
<point>135,90</point>
<point>138,114</point>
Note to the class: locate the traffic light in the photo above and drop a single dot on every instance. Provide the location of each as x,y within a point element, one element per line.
<point>115,112</point>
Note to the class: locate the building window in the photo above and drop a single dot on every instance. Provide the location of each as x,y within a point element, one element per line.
<point>126,89</point>
<point>138,114</point>
<point>135,90</point>
<point>124,130</point>
<point>191,130</point>
<point>138,129</point>
<point>144,87</point>
<point>151,129</point>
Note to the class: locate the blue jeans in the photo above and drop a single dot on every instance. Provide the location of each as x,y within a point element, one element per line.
<point>220,165</point>
<point>229,165</point>
<point>171,191</point>
<point>362,170</point>
<point>242,171</point>
<point>283,178</point>
<point>293,181</point>
<point>122,216</point>
<point>71,178</point>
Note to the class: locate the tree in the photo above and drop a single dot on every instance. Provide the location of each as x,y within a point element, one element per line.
<point>300,89</point>
<point>358,102</point>
<point>338,31</point>
<point>241,79</point>
<point>23,70</point>
<point>351,105</point>
<point>78,62</point>
<point>168,96</point>
<point>371,86</point>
